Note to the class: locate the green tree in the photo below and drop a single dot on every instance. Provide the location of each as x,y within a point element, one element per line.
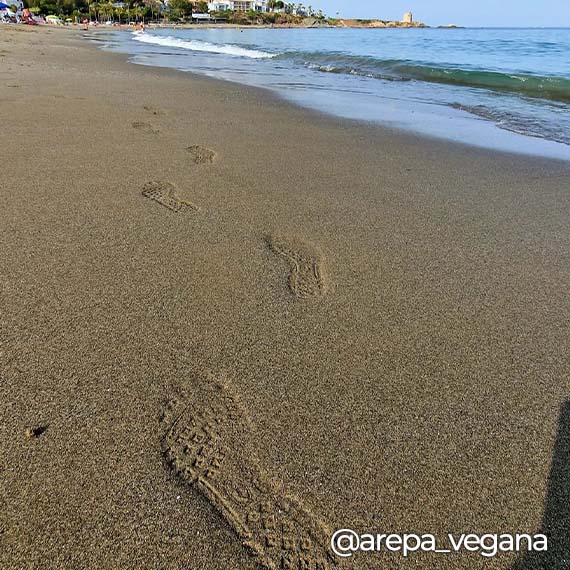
<point>135,12</point>
<point>121,14</point>
<point>181,8</point>
<point>106,11</point>
<point>43,7</point>
<point>152,5</point>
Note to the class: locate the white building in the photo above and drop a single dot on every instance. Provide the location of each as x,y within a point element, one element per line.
<point>408,18</point>
<point>234,5</point>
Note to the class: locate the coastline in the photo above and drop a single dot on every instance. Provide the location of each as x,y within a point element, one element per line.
<point>454,114</point>
<point>442,314</point>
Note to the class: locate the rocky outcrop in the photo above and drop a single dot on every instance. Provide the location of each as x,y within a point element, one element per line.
<point>315,23</point>
<point>380,24</point>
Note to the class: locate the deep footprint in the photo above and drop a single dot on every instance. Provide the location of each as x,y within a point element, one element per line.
<point>165,194</point>
<point>145,127</point>
<point>210,443</point>
<point>201,154</point>
<point>307,277</point>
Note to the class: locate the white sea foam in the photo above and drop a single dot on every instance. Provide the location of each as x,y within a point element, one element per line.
<point>196,45</point>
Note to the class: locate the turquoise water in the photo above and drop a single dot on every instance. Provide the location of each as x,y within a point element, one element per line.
<point>502,88</point>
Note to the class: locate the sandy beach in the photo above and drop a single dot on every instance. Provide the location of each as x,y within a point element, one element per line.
<point>230,326</point>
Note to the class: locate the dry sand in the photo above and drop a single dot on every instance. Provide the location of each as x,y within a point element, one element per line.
<point>354,327</point>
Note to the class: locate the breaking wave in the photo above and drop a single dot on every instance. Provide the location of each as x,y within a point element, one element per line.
<point>197,45</point>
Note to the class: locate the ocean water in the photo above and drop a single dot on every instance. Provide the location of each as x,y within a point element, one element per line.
<point>500,88</point>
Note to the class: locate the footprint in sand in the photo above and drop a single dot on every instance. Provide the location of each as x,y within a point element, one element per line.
<point>165,194</point>
<point>201,154</point>
<point>153,110</point>
<point>209,442</point>
<point>305,261</point>
<point>145,127</point>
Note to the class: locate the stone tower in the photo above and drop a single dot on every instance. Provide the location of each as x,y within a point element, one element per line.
<point>408,18</point>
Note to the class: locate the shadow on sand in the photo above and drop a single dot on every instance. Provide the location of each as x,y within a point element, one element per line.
<point>556,519</point>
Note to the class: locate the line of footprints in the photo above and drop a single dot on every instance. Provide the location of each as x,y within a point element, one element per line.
<point>305,260</point>
<point>209,442</point>
<point>208,439</point>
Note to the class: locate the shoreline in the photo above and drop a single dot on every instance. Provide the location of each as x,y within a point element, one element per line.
<point>149,224</point>
<point>432,124</point>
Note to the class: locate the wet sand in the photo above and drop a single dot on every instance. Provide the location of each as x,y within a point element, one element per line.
<point>228,320</point>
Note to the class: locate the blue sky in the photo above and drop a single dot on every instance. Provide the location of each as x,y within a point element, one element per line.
<point>461,12</point>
